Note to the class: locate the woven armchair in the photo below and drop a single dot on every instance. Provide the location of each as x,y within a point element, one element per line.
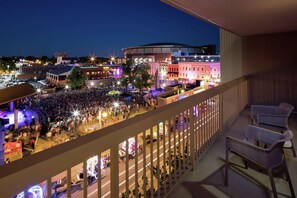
<point>263,148</point>
<point>271,115</point>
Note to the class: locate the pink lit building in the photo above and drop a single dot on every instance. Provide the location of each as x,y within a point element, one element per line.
<point>191,71</point>
<point>172,73</point>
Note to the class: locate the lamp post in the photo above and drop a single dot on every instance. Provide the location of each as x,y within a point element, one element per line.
<point>38,90</point>
<point>75,114</point>
<point>92,60</point>
<point>8,68</point>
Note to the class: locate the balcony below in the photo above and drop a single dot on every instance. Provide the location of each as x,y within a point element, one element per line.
<point>207,179</point>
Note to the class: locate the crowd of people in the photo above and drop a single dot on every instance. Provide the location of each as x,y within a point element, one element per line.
<point>56,111</point>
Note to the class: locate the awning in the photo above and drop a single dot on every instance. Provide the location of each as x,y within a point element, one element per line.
<point>16,92</point>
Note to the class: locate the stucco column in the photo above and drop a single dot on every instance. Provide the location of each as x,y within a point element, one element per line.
<point>16,118</point>
<point>11,106</point>
<point>2,142</point>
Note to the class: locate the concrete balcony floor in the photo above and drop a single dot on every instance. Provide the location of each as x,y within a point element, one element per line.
<point>207,179</point>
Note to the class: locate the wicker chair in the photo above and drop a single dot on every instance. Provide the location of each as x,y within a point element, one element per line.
<point>263,148</point>
<point>273,117</point>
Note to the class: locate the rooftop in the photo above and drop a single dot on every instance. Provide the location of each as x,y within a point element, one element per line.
<point>16,92</point>
<point>61,70</point>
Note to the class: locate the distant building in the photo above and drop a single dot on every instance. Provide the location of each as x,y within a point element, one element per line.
<point>192,71</point>
<point>101,72</point>
<point>166,59</point>
<point>196,58</point>
<point>172,73</point>
<point>63,59</point>
<point>58,77</point>
<point>164,52</point>
<point>119,60</point>
<point>30,72</point>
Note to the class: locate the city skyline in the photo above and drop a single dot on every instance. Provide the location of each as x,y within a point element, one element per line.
<point>96,28</point>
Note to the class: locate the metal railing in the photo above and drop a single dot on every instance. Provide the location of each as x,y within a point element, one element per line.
<point>146,155</point>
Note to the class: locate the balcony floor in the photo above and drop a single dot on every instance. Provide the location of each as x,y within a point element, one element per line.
<point>207,179</point>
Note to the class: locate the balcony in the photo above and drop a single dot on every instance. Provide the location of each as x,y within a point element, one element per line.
<point>207,178</point>
<point>168,145</point>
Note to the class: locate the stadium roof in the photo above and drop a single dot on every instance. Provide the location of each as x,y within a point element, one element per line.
<point>16,92</point>
<point>166,43</point>
<point>163,44</point>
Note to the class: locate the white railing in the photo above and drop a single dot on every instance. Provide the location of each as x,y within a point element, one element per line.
<point>178,134</point>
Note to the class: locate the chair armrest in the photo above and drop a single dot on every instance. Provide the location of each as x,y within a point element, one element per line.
<point>275,120</point>
<point>263,109</point>
<point>256,134</point>
<point>257,155</point>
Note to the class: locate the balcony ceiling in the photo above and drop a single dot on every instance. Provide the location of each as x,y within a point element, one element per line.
<point>245,18</point>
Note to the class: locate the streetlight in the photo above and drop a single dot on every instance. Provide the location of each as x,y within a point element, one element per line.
<point>112,60</point>
<point>75,114</point>
<point>92,84</point>
<point>92,59</point>
<point>67,87</point>
<point>8,68</point>
<point>116,104</point>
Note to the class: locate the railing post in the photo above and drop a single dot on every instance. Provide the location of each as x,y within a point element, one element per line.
<point>49,187</point>
<point>69,182</point>
<point>114,171</point>
<point>192,141</point>
<point>221,117</point>
<point>26,193</point>
<point>85,181</point>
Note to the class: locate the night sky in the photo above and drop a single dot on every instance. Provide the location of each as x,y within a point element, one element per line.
<point>95,27</point>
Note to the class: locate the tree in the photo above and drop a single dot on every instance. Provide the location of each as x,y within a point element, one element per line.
<point>44,59</point>
<point>76,78</point>
<point>31,58</point>
<point>4,63</point>
<point>137,75</point>
<point>127,71</point>
<point>142,78</point>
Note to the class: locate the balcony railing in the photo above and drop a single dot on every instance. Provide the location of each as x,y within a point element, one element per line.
<point>147,154</point>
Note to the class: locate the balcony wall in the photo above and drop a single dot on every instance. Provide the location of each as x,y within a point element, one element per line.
<point>191,126</point>
<point>274,87</point>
